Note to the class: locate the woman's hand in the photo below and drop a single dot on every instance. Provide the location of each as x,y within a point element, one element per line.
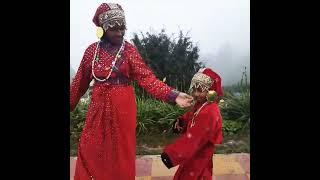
<point>184,100</point>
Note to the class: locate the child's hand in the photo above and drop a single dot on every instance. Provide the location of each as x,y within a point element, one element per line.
<point>177,126</point>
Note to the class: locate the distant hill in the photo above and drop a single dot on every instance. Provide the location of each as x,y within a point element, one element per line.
<point>229,63</point>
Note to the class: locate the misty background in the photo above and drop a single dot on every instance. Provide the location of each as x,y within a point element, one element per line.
<point>221,29</point>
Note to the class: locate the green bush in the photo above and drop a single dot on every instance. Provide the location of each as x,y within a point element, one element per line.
<point>236,107</point>
<point>230,127</point>
<point>77,119</point>
<point>154,115</point>
<point>237,101</point>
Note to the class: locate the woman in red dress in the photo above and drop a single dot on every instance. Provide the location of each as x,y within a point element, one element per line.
<point>108,141</point>
<point>201,129</point>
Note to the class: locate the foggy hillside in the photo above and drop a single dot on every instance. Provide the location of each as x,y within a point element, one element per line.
<point>228,63</point>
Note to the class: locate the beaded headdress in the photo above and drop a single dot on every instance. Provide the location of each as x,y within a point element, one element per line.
<point>109,15</point>
<point>206,80</point>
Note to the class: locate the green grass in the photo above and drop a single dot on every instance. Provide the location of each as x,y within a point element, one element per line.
<point>153,143</point>
<point>240,144</point>
<point>73,146</point>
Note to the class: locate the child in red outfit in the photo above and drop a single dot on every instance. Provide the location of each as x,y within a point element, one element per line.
<point>201,129</point>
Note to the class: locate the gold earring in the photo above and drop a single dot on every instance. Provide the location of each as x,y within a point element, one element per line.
<point>99,32</point>
<point>211,96</point>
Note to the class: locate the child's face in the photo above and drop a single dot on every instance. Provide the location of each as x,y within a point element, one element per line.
<point>199,95</point>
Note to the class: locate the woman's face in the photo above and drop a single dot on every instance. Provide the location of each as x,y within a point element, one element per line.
<point>115,34</point>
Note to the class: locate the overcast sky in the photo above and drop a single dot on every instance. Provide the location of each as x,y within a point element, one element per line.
<point>213,24</point>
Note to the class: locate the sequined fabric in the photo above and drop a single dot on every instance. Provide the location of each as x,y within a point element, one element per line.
<point>107,144</point>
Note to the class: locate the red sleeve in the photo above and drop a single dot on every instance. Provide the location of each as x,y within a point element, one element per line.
<point>194,139</point>
<point>185,116</point>
<point>82,79</point>
<point>147,80</point>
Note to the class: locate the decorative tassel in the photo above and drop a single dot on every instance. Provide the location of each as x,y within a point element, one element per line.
<point>211,96</point>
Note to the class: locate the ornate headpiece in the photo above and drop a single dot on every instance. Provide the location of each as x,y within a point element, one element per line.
<point>109,15</point>
<point>207,80</point>
<point>202,81</point>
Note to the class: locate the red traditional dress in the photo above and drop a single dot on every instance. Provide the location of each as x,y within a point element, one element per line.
<point>193,151</point>
<point>106,150</point>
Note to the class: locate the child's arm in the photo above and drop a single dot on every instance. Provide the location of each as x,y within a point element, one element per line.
<point>189,143</point>
<point>180,124</point>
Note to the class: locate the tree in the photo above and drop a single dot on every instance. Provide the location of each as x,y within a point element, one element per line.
<point>175,59</point>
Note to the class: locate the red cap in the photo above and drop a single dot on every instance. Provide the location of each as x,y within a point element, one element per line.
<point>216,85</point>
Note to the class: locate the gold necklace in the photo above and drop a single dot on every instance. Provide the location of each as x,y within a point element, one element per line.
<point>196,113</point>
